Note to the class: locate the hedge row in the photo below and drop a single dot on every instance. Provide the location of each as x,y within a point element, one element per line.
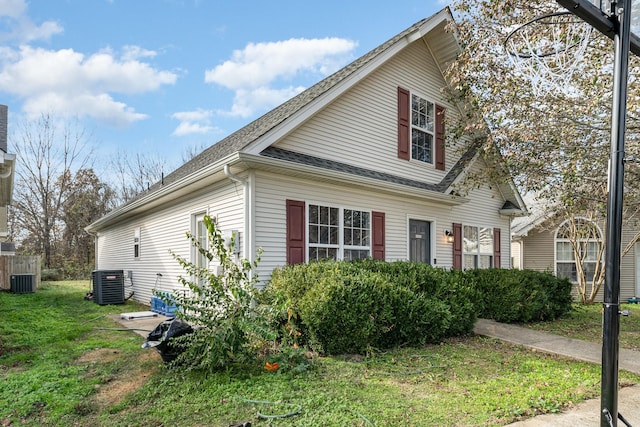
<point>351,307</point>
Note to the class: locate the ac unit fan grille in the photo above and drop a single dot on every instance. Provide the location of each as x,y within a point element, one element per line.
<point>108,287</point>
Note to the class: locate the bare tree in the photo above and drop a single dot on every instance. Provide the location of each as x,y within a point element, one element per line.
<point>48,152</point>
<point>192,151</point>
<point>88,199</point>
<point>135,174</point>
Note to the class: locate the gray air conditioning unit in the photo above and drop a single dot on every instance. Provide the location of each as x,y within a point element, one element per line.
<point>108,286</point>
<point>23,283</point>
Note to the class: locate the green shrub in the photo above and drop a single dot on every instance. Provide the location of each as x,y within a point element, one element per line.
<point>451,287</point>
<point>352,306</point>
<point>51,275</point>
<point>229,327</point>
<point>520,296</point>
<point>419,319</point>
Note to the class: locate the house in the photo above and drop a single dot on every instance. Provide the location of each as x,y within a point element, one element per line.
<point>7,173</point>
<point>18,273</point>
<point>540,242</point>
<point>355,166</point>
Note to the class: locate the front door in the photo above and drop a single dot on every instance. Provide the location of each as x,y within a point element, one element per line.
<point>419,241</point>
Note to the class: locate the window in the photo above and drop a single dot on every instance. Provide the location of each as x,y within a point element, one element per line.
<point>136,243</point>
<point>422,127</point>
<point>336,233</point>
<point>588,244</point>
<point>477,247</point>
<point>200,233</point>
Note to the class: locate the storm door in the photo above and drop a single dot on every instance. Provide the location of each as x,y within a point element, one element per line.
<point>419,241</point>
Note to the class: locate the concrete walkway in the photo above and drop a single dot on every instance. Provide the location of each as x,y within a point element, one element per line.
<point>587,413</point>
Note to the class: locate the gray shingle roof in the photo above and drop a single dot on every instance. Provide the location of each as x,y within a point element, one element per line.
<point>259,127</point>
<point>441,187</point>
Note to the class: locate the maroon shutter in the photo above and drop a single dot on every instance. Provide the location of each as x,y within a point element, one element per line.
<point>295,232</point>
<point>377,231</point>
<point>496,248</point>
<point>457,246</point>
<point>440,137</point>
<point>404,116</point>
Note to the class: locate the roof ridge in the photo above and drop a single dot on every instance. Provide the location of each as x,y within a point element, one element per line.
<point>242,137</point>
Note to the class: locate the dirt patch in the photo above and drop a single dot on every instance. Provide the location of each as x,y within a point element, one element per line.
<point>122,382</point>
<point>102,355</point>
<point>122,385</point>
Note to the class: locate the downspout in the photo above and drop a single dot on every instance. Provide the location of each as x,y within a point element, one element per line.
<point>247,254</point>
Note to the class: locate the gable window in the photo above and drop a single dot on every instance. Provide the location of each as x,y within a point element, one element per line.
<point>136,243</point>
<point>477,247</point>
<point>422,125</point>
<point>421,129</point>
<point>587,239</point>
<point>337,233</point>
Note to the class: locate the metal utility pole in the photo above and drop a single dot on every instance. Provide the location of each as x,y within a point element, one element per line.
<point>611,316</point>
<point>615,24</point>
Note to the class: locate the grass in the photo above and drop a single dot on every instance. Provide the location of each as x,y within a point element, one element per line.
<point>585,323</point>
<point>63,362</point>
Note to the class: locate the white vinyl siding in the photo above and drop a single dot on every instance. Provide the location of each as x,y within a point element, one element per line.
<point>164,229</point>
<point>272,191</point>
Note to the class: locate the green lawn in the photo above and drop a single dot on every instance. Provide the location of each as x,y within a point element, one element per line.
<point>63,362</point>
<point>585,323</point>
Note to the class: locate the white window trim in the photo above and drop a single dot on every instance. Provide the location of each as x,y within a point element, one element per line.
<point>196,217</point>
<point>556,240</point>
<point>340,246</point>
<point>136,243</point>
<point>478,253</point>
<point>411,127</point>
<point>433,244</point>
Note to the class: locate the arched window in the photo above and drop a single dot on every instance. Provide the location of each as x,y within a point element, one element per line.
<point>580,240</point>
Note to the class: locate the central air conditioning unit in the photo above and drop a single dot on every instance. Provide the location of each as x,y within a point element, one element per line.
<point>108,286</point>
<point>23,283</point>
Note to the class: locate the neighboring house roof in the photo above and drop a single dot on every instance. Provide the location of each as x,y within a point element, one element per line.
<point>539,212</point>
<point>252,143</point>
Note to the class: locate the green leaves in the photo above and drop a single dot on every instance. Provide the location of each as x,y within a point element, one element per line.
<point>219,302</point>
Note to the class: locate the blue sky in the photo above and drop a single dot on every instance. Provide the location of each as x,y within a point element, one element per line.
<point>162,76</point>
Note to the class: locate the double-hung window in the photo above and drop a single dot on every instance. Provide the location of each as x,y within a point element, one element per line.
<point>200,233</point>
<point>477,247</point>
<point>422,129</point>
<point>588,241</point>
<point>338,233</point>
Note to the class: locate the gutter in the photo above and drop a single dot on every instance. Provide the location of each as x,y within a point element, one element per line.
<point>163,191</point>
<point>248,193</point>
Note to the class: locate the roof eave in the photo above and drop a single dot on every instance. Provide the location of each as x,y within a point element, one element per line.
<point>340,178</point>
<point>145,202</point>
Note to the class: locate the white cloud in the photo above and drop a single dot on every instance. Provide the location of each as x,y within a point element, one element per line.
<point>247,101</point>
<point>253,71</point>
<point>193,122</point>
<point>22,28</point>
<point>131,53</point>
<point>99,106</point>
<point>66,81</point>
<point>12,8</point>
